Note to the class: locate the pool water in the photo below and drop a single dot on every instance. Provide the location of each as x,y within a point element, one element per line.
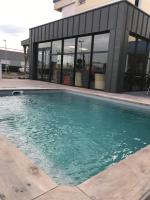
<point>73,137</point>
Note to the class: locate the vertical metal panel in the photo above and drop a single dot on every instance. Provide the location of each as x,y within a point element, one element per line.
<point>96,20</point>
<point>39,33</point>
<point>122,63</point>
<point>88,24</point>
<point>30,55</point>
<point>82,24</point>
<point>144,26</point>
<point>112,16</point>
<point>140,23</point>
<point>33,35</point>
<point>148,29</point>
<point>118,49</point>
<point>43,33</point>
<point>122,16</point>
<point>51,31</point>
<point>36,34</point>
<point>76,25</point>
<point>130,17</point>
<point>47,32</point>
<point>55,30</point>
<point>65,27</point>
<point>135,21</point>
<point>104,19</point>
<point>70,26</point>
<point>60,28</point>
<point>110,60</point>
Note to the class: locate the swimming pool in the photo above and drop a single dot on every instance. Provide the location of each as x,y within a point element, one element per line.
<point>73,137</point>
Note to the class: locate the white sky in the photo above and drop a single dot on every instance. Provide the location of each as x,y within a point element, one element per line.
<point>17,16</point>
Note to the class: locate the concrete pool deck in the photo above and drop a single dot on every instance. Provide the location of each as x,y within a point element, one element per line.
<point>20,179</point>
<point>19,84</point>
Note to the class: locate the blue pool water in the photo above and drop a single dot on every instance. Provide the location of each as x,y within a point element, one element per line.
<point>70,136</point>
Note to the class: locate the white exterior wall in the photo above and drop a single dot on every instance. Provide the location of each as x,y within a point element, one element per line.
<point>69,10</point>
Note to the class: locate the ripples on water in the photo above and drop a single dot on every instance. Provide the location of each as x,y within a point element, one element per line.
<point>72,137</point>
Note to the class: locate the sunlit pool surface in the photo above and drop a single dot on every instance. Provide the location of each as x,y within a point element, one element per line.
<point>73,137</point>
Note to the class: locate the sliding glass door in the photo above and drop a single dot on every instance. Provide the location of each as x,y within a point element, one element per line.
<point>43,64</point>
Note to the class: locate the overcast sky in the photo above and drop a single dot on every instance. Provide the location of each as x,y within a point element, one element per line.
<point>17,16</point>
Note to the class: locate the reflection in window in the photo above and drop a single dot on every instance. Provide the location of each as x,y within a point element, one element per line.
<point>55,68</point>
<point>83,61</point>
<point>68,62</point>
<point>56,47</point>
<point>101,42</point>
<point>43,61</point>
<point>137,65</point>
<point>99,61</point>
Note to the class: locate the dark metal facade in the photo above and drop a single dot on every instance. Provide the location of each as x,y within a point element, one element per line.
<point>120,19</point>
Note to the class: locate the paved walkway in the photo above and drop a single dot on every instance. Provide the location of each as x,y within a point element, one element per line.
<point>20,179</point>
<point>7,84</point>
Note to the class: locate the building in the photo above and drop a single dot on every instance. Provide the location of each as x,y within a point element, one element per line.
<point>11,60</point>
<point>72,7</point>
<point>107,48</point>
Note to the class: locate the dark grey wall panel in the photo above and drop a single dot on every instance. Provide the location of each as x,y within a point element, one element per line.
<point>129,17</point>
<point>47,32</point>
<point>89,22</point>
<point>110,60</point>
<point>135,21</point>
<point>33,35</point>
<point>96,20</point>
<point>140,23</point>
<point>40,33</point>
<point>70,26</point>
<point>104,19</point>
<point>43,33</point>
<point>51,29</point>
<point>82,23</point>
<point>36,34</point>
<point>118,48</point>
<point>60,28</point>
<point>148,29</point>
<point>65,28</point>
<point>145,20</point>
<point>76,25</point>
<point>113,11</point>
<point>55,33</point>
<point>122,16</point>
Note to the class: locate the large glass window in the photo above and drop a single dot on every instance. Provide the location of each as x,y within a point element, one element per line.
<point>43,61</point>
<point>68,61</point>
<point>99,61</point>
<point>55,67</point>
<point>135,72</point>
<point>83,61</point>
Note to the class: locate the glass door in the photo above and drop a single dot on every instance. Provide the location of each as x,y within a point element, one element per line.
<point>43,61</point>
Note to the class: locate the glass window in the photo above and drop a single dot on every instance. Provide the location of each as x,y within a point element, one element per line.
<point>141,46</point>
<point>44,45</point>
<point>43,61</point>
<point>131,44</point>
<point>101,42</point>
<point>84,44</point>
<point>55,68</point>
<point>68,61</point>
<point>83,61</point>
<point>69,46</point>
<point>99,61</point>
<point>68,69</point>
<point>137,65</point>
<point>56,47</point>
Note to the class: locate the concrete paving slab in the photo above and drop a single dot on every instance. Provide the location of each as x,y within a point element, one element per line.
<point>64,193</point>
<point>20,179</point>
